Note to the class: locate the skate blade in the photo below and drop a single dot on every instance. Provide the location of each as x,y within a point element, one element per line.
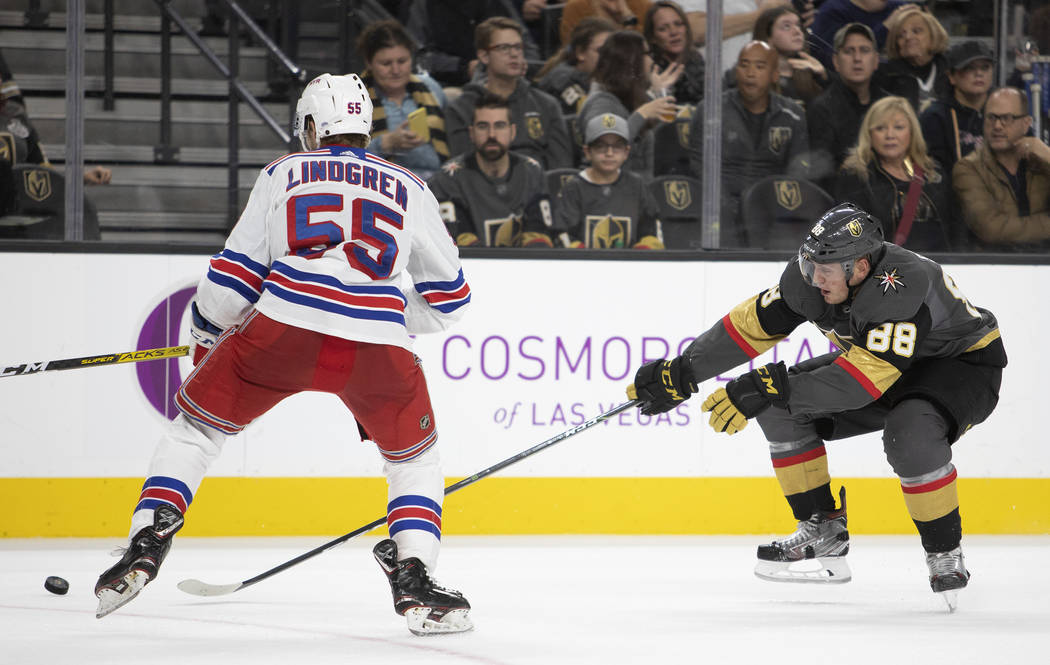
<point>951,599</point>
<point>110,600</point>
<point>420,623</point>
<point>822,570</point>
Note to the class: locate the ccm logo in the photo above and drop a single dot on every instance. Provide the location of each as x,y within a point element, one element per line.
<point>353,107</point>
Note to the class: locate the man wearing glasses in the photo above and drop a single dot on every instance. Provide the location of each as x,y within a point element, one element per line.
<point>542,133</point>
<point>1004,185</point>
<point>605,206</point>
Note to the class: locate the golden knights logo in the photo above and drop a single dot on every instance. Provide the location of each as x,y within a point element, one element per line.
<point>534,124</point>
<point>607,232</point>
<point>855,228</point>
<point>682,126</point>
<point>608,121</point>
<point>37,184</point>
<point>677,194</point>
<point>889,279</point>
<point>503,231</point>
<point>7,148</point>
<point>789,194</point>
<point>778,138</point>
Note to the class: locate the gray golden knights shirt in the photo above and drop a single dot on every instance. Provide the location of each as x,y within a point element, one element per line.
<point>505,212</point>
<point>907,310</point>
<point>620,214</point>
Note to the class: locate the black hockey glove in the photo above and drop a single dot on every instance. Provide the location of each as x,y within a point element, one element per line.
<point>747,396</point>
<point>661,384</point>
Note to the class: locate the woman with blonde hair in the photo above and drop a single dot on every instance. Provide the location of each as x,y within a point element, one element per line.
<point>890,174</point>
<point>916,66</point>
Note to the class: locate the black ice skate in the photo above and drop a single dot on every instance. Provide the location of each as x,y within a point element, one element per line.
<point>430,609</point>
<point>948,574</point>
<point>138,567</point>
<point>816,552</point>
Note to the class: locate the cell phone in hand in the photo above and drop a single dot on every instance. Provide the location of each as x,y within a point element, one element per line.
<point>417,122</point>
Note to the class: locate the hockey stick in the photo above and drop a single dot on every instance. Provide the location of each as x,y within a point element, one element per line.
<point>198,588</point>
<point>93,361</point>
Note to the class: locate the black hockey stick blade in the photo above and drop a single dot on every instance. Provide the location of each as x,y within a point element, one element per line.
<point>94,361</point>
<point>199,588</point>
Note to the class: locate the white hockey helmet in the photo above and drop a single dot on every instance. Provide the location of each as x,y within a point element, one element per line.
<point>338,105</point>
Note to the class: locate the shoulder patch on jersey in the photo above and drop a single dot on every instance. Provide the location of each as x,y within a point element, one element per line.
<point>889,278</point>
<point>451,166</point>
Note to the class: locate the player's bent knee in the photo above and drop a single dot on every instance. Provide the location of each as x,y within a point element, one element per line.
<point>915,438</point>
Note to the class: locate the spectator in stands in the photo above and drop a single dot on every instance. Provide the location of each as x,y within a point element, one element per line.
<point>738,20</point>
<point>671,45</point>
<point>802,77</point>
<point>626,14</point>
<point>833,14</point>
<point>605,206</point>
<point>953,127</point>
<point>491,196</point>
<point>9,90</point>
<point>396,92</point>
<point>1004,184</point>
<point>916,67</point>
<point>542,133</point>
<point>20,142</point>
<point>763,133</point>
<point>532,18</point>
<point>834,116</point>
<point>890,174</point>
<point>621,86</point>
<point>445,28</point>
<point>567,74</point>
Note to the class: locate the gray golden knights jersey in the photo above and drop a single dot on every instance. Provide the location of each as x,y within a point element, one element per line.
<point>906,311</point>
<point>500,213</point>
<point>603,216</point>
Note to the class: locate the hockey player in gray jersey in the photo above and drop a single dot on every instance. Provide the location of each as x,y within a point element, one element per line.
<point>492,197</point>
<point>605,206</point>
<point>916,360</point>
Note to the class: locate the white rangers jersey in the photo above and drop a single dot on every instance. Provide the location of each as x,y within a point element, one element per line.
<point>342,242</point>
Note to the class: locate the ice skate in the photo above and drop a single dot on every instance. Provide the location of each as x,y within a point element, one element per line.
<point>430,609</point>
<point>948,574</point>
<point>138,567</point>
<point>815,553</point>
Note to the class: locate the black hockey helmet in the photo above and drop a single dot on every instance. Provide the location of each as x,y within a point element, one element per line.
<point>842,235</point>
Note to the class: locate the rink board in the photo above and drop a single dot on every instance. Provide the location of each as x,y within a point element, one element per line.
<point>544,346</point>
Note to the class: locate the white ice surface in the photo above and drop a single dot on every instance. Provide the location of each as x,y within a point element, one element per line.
<point>646,600</point>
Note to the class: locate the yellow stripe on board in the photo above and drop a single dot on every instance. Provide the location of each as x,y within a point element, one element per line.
<point>101,507</point>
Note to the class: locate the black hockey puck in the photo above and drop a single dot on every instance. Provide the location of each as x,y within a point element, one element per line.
<point>56,585</point>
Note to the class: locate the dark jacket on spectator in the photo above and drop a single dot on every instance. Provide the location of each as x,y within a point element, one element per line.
<point>951,130</point>
<point>902,79</point>
<point>834,118</point>
<point>689,88</point>
<point>541,130</point>
<point>833,14</point>
<point>566,84</point>
<point>935,227</point>
<point>990,207</point>
<point>445,32</point>
<point>779,146</point>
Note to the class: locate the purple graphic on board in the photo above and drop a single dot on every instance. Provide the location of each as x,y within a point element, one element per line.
<point>160,380</point>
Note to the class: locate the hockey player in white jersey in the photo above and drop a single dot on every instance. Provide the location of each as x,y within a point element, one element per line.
<point>337,258</point>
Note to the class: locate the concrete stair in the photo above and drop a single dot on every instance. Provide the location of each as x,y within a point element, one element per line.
<point>149,201</point>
